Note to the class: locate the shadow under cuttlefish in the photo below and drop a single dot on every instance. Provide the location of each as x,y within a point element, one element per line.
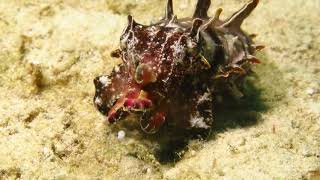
<point>229,113</point>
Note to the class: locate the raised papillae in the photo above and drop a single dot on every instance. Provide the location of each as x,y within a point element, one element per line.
<point>173,70</point>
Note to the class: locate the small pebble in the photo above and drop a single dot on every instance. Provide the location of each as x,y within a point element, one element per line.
<point>311,91</point>
<point>46,152</point>
<point>121,135</point>
<point>193,152</point>
<point>306,152</point>
<point>148,171</point>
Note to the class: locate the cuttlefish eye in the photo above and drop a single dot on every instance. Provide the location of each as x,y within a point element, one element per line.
<point>144,74</point>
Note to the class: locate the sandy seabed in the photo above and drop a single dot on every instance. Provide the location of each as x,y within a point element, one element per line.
<point>51,50</point>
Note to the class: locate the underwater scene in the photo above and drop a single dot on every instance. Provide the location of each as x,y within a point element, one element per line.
<point>159,89</point>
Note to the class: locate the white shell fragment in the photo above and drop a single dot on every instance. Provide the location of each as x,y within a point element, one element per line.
<point>311,91</point>
<point>121,135</point>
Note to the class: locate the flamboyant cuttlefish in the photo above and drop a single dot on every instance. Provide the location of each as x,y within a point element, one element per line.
<point>172,70</point>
